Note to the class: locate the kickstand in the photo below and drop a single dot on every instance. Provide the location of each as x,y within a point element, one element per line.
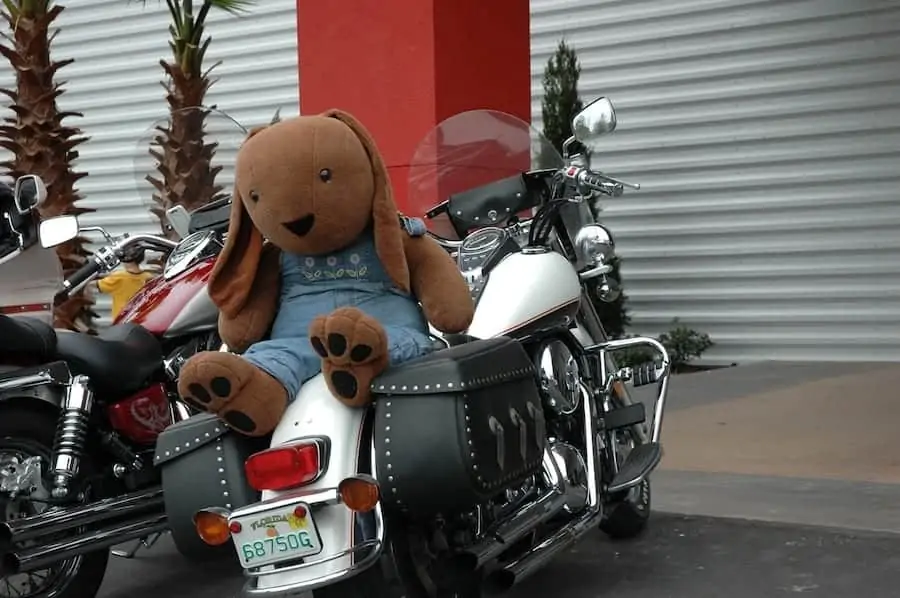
<point>147,542</point>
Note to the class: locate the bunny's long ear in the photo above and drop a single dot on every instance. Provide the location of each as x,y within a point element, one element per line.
<point>385,217</point>
<point>232,277</point>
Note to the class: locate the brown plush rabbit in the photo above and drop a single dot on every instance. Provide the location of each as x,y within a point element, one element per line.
<point>345,285</point>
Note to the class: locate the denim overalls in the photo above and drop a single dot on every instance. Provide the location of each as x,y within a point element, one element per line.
<point>317,285</point>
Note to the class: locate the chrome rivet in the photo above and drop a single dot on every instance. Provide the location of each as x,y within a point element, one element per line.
<point>207,434</point>
<point>437,386</point>
<point>416,387</point>
<point>393,387</point>
<point>168,453</point>
<point>387,415</point>
<point>225,493</point>
<point>219,459</point>
<point>427,386</point>
<point>394,490</point>
<point>403,387</point>
<point>388,404</point>
<point>196,439</point>
<point>224,483</point>
<point>390,478</point>
<point>219,447</point>
<point>221,470</point>
<point>387,453</point>
<point>177,449</point>
<point>381,387</point>
<point>228,505</point>
<point>387,440</point>
<point>390,467</point>
<point>217,430</point>
<point>449,385</point>
<point>387,428</point>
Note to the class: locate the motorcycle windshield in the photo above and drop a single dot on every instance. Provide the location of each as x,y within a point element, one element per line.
<point>30,275</point>
<point>469,150</point>
<point>186,158</point>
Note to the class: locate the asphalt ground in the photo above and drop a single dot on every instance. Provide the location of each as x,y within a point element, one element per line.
<point>778,479</point>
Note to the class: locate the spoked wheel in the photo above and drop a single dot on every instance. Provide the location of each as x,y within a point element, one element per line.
<point>628,512</point>
<point>25,439</point>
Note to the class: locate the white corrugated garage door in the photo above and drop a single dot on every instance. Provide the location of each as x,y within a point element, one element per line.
<point>114,81</point>
<point>766,134</point>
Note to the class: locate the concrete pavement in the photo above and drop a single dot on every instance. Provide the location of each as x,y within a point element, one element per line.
<point>777,479</point>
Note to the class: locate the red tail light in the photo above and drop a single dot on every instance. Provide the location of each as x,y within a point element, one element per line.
<point>284,467</point>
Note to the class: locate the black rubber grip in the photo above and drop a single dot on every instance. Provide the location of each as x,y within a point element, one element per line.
<point>82,274</point>
<point>646,373</point>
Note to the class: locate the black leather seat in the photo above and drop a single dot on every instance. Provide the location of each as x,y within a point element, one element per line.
<point>24,337</point>
<point>118,361</point>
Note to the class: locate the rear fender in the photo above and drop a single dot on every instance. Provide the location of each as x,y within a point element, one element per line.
<point>316,412</point>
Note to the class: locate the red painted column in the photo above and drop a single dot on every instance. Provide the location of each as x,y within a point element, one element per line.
<point>402,66</point>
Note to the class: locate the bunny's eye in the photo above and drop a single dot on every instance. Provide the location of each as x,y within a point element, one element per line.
<point>325,175</point>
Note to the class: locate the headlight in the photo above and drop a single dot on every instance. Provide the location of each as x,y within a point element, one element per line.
<point>594,244</point>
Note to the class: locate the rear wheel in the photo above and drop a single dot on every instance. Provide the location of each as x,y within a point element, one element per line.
<point>26,434</point>
<point>408,568</point>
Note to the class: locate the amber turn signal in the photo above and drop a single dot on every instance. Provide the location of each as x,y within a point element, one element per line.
<point>212,526</point>
<point>360,493</point>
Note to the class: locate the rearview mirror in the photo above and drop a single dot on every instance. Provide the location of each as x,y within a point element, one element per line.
<point>30,192</point>
<point>179,220</point>
<point>56,231</point>
<point>595,120</point>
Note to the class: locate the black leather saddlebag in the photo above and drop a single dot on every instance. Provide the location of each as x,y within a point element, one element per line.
<point>457,427</point>
<point>202,465</point>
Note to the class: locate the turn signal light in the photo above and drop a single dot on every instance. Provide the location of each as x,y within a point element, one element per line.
<point>360,493</point>
<point>212,526</point>
<point>283,467</point>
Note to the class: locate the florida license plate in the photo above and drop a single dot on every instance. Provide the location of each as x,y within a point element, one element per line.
<point>276,535</point>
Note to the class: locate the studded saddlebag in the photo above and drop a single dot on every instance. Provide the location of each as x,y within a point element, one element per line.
<point>457,427</point>
<point>202,465</point>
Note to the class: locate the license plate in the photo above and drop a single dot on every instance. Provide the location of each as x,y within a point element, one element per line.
<point>274,536</point>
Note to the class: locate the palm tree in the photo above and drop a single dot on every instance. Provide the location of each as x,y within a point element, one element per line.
<point>184,159</point>
<point>40,142</point>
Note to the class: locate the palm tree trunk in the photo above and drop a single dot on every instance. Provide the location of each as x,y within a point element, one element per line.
<point>40,141</point>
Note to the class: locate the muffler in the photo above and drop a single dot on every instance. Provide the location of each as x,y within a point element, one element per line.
<point>522,522</point>
<point>41,557</point>
<point>502,580</point>
<point>63,519</point>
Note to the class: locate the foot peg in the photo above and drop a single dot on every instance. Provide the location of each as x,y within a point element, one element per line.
<point>638,464</point>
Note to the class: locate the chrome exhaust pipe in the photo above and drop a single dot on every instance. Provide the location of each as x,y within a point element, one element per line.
<point>63,519</point>
<point>520,523</point>
<point>41,557</point>
<point>501,580</point>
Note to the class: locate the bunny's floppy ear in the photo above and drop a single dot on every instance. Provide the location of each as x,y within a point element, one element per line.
<point>385,217</point>
<point>232,277</point>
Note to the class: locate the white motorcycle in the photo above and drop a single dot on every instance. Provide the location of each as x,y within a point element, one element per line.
<point>478,463</point>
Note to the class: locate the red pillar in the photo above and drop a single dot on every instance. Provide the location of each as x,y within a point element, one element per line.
<point>402,66</point>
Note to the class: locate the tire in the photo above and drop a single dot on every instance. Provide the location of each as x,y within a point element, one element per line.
<point>628,517</point>
<point>30,430</point>
<point>394,576</point>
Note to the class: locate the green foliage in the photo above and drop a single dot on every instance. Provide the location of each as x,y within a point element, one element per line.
<point>561,102</point>
<point>682,343</point>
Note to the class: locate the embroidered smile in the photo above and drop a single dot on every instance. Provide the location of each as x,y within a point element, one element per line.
<point>301,226</point>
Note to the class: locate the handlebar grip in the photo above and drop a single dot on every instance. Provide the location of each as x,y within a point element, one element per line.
<point>83,274</point>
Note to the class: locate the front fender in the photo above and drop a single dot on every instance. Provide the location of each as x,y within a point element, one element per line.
<point>315,412</point>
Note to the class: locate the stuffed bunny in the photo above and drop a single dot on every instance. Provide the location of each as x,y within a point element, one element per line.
<point>319,273</point>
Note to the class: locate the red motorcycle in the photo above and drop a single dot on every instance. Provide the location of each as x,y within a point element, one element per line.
<point>80,414</point>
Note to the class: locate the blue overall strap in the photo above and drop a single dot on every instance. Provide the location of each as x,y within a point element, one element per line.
<point>414,227</point>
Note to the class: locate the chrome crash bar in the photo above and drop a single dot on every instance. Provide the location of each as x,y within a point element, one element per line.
<point>660,372</point>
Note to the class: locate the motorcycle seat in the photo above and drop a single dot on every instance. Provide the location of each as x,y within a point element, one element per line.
<point>22,336</point>
<point>118,361</point>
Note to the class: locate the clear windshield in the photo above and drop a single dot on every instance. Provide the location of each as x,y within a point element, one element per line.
<point>187,158</point>
<point>30,275</point>
<point>469,150</point>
